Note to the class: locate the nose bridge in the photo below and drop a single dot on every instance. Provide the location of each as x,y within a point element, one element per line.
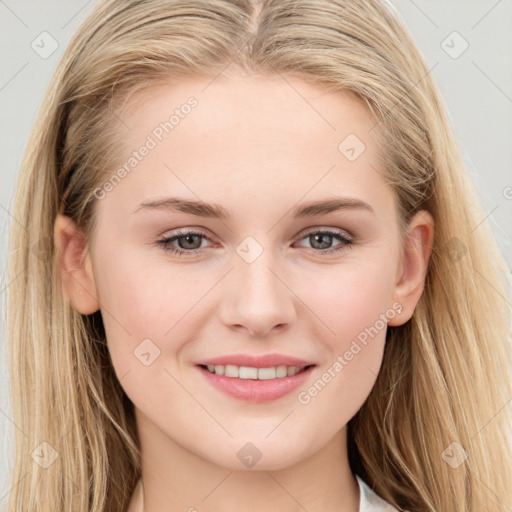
<point>257,299</point>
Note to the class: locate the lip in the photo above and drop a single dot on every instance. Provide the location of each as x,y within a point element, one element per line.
<point>256,391</point>
<point>257,361</point>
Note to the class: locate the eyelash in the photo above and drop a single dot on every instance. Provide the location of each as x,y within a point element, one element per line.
<point>165,242</point>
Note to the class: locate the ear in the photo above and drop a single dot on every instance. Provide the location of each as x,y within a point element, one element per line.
<point>75,266</point>
<point>413,265</point>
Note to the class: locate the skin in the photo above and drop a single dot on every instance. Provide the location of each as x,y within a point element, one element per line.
<point>258,147</point>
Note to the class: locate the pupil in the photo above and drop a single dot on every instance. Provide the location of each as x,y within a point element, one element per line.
<point>319,236</point>
<point>188,241</point>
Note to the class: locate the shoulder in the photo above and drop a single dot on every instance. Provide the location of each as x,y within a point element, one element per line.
<point>370,501</point>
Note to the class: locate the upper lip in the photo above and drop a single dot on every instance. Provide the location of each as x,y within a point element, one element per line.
<point>257,361</point>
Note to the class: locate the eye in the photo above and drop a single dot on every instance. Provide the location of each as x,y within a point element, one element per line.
<point>321,240</point>
<point>189,242</point>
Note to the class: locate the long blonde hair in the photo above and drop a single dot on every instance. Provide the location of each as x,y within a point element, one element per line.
<point>445,380</point>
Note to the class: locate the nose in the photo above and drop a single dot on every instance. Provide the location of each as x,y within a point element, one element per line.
<point>257,298</point>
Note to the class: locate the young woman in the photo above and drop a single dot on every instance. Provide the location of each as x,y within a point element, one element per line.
<point>246,272</point>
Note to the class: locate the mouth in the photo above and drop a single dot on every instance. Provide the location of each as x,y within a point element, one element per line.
<point>255,373</point>
<point>256,384</point>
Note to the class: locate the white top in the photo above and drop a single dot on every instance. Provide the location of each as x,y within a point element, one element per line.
<point>369,501</point>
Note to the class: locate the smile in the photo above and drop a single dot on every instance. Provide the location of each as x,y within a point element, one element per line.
<point>255,385</point>
<point>250,372</point>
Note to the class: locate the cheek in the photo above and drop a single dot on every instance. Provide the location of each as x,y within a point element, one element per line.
<point>353,305</point>
<point>349,299</point>
<point>150,312</point>
<point>142,313</point>
<point>142,302</point>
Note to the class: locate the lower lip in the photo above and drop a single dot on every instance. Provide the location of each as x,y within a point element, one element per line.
<point>256,391</point>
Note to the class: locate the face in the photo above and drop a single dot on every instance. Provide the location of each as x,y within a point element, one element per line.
<point>179,285</point>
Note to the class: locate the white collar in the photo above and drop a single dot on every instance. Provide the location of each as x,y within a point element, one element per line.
<point>370,501</point>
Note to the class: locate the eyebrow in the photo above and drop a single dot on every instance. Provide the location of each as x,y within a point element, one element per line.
<point>213,210</point>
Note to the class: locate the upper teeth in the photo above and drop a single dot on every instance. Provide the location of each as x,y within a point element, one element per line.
<point>248,372</point>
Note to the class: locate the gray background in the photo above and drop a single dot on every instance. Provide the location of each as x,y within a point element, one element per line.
<point>477,87</point>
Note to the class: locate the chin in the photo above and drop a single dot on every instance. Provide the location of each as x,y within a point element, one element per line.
<point>259,456</point>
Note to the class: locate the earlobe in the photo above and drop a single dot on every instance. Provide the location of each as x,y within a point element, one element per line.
<point>418,249</point>
<point>74,264</point>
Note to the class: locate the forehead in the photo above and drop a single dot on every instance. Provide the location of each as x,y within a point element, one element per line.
<point>234,135</point>
<point>281,104</point>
